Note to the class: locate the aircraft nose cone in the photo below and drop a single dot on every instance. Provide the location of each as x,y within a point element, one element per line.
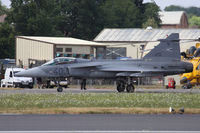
<point>33,72</point>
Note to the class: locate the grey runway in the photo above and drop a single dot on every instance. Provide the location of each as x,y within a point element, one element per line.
<point>75,90</point>
<point>100,122</point>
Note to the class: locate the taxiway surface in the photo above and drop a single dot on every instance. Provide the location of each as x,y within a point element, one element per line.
<point>100,122</point>
<point>75,90</point>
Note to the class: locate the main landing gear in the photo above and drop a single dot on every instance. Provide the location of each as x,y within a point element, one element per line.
<point>125,83</point>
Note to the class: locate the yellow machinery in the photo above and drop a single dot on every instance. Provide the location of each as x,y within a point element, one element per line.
<point>190,79</point>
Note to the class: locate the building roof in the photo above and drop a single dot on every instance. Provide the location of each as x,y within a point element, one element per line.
<point>143,35</point>
<point>171,17</point>
<point>62,40</point>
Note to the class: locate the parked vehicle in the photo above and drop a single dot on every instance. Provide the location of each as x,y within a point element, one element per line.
<point>10,80</point>
<point>171,83</point>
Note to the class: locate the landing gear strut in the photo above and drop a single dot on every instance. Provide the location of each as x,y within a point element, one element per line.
<point>125,83</point>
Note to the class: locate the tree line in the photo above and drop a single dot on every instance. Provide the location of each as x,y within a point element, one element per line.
<point>82,19</point>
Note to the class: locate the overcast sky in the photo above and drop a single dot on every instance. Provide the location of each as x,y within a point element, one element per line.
<point>161,3</point>
<point>184,3</point>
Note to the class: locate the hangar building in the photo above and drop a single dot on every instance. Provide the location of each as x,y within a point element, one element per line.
<point>37,50</point>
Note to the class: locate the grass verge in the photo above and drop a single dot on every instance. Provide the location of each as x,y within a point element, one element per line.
<point>95,110</point>
<point>137,103</point>
<point>10,88</point>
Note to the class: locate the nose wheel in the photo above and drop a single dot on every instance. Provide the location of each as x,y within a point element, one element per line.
<point>59,89</point>
<point>57,83</point>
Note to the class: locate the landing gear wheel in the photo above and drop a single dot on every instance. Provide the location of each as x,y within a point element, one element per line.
<point>60,89</point>
<point>120,87</point>
<point>130,88</point>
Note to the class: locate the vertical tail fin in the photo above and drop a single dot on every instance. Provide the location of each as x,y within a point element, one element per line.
<point>168,49</point>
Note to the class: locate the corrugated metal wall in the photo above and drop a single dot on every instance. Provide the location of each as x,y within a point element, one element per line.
<point>30,49</point>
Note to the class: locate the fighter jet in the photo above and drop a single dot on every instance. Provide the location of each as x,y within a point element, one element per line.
<point>163,60</point>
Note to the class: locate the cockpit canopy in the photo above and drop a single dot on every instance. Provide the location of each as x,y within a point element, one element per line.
<point>61,60</point>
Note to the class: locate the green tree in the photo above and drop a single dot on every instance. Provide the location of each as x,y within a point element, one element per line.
<point>34,17</point>
<point>78,18</point>
<point>174,8</point>
<point>151,16</point>
<point>129,13</point>
<point>150,22</point>
<point>3,9</point>
<point>194,21</point>
<point>121,14</point>
<point>189,10</point>
<point>7,41</point>
<point>81,18</point>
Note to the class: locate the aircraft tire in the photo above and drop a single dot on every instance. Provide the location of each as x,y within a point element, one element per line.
<point>130,88</point>
<point>60,89</point>
<point>120,87</point>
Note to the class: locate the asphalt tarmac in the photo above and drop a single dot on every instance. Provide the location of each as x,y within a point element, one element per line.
<point>100,122</point>
<point>76,90</point>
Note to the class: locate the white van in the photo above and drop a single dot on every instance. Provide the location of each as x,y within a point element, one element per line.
<point>10,80</point>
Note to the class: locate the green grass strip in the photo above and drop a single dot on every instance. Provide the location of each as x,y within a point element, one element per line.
<point>121,100</point>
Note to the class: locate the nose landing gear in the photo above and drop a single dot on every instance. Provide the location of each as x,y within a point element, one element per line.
<point>57,83</point>
<point>59,89</point>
